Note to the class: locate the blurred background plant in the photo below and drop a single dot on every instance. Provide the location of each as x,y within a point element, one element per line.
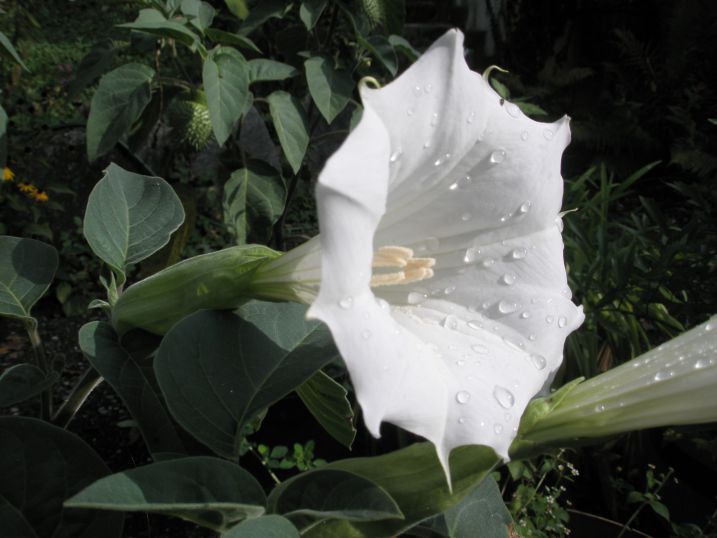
<point>238,104</point>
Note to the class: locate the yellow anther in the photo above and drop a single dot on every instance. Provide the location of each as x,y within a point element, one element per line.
<point>413,269</point>
<point>392,257</point>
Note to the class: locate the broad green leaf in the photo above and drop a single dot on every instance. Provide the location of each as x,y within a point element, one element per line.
<point>382,50</point>
<point>130,217</point>
<point>254,199</point>
<point>99,344</point>
<point>262,70</point>
<point>200,14</point>
<point>215,280</point>
<point>117,103</point>
<point>327,401</point>
<point>226,83</point>
<point>262,12</point>
<point>227,38</point>
<point>310,11</point>
<point>217,370</point>
<point>291,127</point>
<point>27,268</point>
<point>212,492</point>
<point>43,465</point>
<point>483,508</point>
<point>256,142</point>
<point>330,88</point>
<point>271,526</point>
<point>21,382</point>
<point>332,493</point>
<point>13,523</point>
<point>238,8</point>
<point>7,50</point>
<point>3,137</point>
<point>94,64</point>
<point>154,22</point>
<point>402,44</point>
<point>413,477</point>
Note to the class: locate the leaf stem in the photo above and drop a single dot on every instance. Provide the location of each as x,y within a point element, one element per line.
<point>84,387</point>
<point>38,350</point>
<point>268,470</point>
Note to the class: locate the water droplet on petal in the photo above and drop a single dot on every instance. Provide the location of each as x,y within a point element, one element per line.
<point>710,326</point>
<point>487,262</point>
<point>498,156</point>
<point>460,362</point>
<point>538,361</point>
<point>507,307</point>
<point>548,134</point>
<point>599,408</point>
<point>461,420</point>
<point>504,397</point>
<point>409,111</point>
<point>434,119</point>
<point>497,428</point>
<point>475,324</point>
<point>562,321</point>
<point>508,279</point>
<point>465,217</point>
<point>532,338</point>
<point>426,145</point>
<point>416,298</point>
<point>366,334</point>
<point>383,303</point>
<point>525,206</point>
<point>661,375</point>
<point>702,363</point>
<point>437,162</point>
<point>428,88</point>
<point>549,319</point>
<point>346,302</point>
<point>524,136</point>
<point>448,290</point>
<point>450,322</point>
<point>470,117</point>
<point>416,90</point>
<point>512,109</point>
<point>395,155</point>
<point>524,315</point>
<point>506,217</point>
<point>519,253</point>
<point>471,255</point>
<point>462,397</point>
<point>480,349</point>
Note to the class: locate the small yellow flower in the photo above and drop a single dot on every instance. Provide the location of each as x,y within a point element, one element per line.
<point>27,188</point>
<point>41,196</point>
<point>7,174</point>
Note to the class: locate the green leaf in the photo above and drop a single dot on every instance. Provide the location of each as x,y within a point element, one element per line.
<point>27,268</point>
<point>238,8</point>
<point>271,526</point>
<point>382,50</point>
<point>332,493</point>
<point>291,127</point>
<point>216,280</point>
<point>200,14</point>
<point>13,523</point>
<point>7,50</point>
<point>327,401</point>
<point>254,199</point>
<point>262,12</point>
<point>255,140</point>
<point>330,88</point>
<point>413,477</point>
<point>3,137</point>
<point>21,382</point>
<point>262,70</point>
<point>99,344</point>
<point>227,38</point>
<point>41,466</point>
<point>130,217</point>
<point>209,491</point>
<point>217,369</point>
<point>310,11</point>
<point>94,64</point>
<point>483,508</point>
<point>117,103</point>
<point>226,83</point>
<point>153,22</point>
<point>402,44</point>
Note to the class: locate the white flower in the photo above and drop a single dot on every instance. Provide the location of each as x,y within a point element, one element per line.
<point>441,276</point>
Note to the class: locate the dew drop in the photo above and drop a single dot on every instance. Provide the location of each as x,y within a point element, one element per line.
<point>599,408</point>
<point>485,305</point>
<point>416,90</point>
<point>532,337</point>
<point>710,326</point>
<point>462,397</point>
<point>395,155</point>
<point>426,145</point>
<point>448,290</point>
<point>366,334</point>
<point>346,302</point>
<point>480,349</point>
<point>475,324</point>
<point>519,253</point>
<point>465,217</point>
<point>428,88</point>
<point>524,315</point>
<point>661,375</point>
<point>513,110</point>
<point>525,206</point>
<point>508,279</point>
<point>562,321</point>
<point>701,363</point>
<point>506,307</point>
<point>437,162</point>
<point>504,397</point>
<point>461,420</point>
<point>383,303</point>
<point>488,262</point>
<point>471,254</point>
<point>538,361</point>
<point>548,134</point>
<point>506,217</point>
<point>498,156</point>
<point>460,362</point>
<point>450,322</point>
<point>409,111</point>
<point>497,428</point>
<point>434,119</point>
<point>524,136</point>
<point>470,117</point>
<point>416,298</point>
<point>549,319</point>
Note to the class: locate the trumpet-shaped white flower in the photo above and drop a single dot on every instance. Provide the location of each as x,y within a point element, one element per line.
<point>441,275</point>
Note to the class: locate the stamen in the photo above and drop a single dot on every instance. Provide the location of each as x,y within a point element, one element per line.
<point>413,269</point>
<point>387,279</point>
<point>392,257</point>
